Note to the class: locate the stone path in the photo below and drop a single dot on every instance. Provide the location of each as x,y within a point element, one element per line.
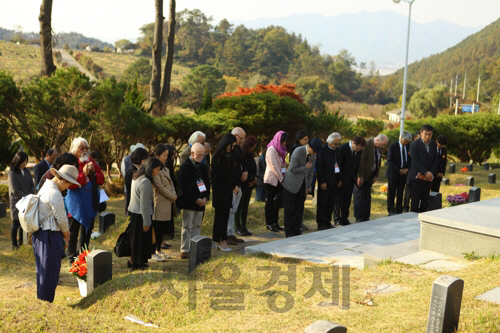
<point>362,245</point>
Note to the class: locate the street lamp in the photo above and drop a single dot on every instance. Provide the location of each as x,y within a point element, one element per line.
<point>402,123</point>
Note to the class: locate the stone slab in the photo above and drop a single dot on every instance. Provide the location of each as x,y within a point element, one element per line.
<point>420,257</point>
<point>445,265</point>
<point>384,288</point>
<point>492,295</point>
<point>393,251</point>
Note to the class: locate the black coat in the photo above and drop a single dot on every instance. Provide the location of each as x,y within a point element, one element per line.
<point>223,181</point>
<point>348,163</point>
<point>188,189</point>
<point>421,161</point>
<point>251,167</point>
<point>325,166</point>
<point>128,184</point>
<point>239,163</point>
<point>40,170</point>
<point>394,160</point>
<point>442,157</point>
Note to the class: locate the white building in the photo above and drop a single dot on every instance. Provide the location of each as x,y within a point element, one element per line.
<point>395,115</point>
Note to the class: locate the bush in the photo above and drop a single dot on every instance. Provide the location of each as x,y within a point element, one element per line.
<point>114,189</point>
<point>140,69</point>
<point>4,193</point>
<point>368,128</point>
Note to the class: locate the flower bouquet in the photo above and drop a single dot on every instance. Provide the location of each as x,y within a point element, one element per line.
<point>79,270</point>
<point>457,199</point>
<point>464,169</point>
<point>384,188</point>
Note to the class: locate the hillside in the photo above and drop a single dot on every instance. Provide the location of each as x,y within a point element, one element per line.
<point>477,54</point>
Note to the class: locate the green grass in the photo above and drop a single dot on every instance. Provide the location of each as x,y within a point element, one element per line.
<point>22,61</point>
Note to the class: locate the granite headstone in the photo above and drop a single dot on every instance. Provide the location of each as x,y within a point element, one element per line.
<point>486,166</point>
<point>445,181</point>
<point>446,301</point>
<point>106,219</point>
<point>451,168</point>
<point>200,250</point>
<point>99,269</point>
<point>492,178</point>
<point>469,181</point>
<point>325,326</point>
<point>435,201</point>
<point>470,167</point>
<point>474,194</point>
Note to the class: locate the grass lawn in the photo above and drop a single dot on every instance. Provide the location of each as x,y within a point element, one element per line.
<point>149,295</point>
<point>22,61</point>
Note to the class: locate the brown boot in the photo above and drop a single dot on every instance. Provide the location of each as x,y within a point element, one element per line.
<point>236,239</point>
<point>231,241</point>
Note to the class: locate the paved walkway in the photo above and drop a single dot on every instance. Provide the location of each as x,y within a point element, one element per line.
<point>362,244</point>
<point>66,57</point>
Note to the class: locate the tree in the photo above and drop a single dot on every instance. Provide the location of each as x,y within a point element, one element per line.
<point>155,85</point>
<point>140,69</point>
<point>341,74</point>
<point>123,43</point>
<point>201,78</point>
<point>427,102</point>
<point>314,91</point>
<point>45,19</point>
<point>169,61</point>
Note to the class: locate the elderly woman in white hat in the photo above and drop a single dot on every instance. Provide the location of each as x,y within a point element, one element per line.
<point>53,235</point>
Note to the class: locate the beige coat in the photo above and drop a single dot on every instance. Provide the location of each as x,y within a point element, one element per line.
<point>164,195</point>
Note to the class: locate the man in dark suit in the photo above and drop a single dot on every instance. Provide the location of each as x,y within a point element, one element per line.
<point>45,164</point>
<point>398,161</point>
<point>424,163</point>
<point>406,204</point>
<point>369,167</point>
<point>328,173</point>
<point>442,156</point>
<point>349,155</point>
<point>297,183</point>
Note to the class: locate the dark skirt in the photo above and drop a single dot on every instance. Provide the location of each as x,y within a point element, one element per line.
<point>140,241</point>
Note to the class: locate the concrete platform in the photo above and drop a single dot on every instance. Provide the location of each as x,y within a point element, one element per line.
<point>462,229</point>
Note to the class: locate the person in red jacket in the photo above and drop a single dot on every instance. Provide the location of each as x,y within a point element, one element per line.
<point>82,203</point>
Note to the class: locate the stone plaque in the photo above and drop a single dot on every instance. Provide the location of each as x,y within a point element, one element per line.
<point>435,201</point>
<point>200,250</point>
<point>105,220</point>
<point>445,181</point>
<point>470,167</point>
<point>492,178</point>
<point>474,194</point>
<point>325,326</point>
<point>3,210</point>
<point>99,269</point>
<point>446,301</point>
<point>469,181</point>
<point>451,168</point>
<point>486,166</point>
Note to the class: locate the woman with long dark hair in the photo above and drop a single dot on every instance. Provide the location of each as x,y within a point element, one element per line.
<point>240,218</point>
<point>20,184</point>
<point>273,178</point>
<point>224,184</point>
<point>140,211</point>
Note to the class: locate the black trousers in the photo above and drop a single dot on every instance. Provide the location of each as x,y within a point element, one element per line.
<point>420,191</point>
<point>272,212</point>
<point>219,232</point>
<point>294,210</point>
<point>160,228</point>
<point>343,203</point>
<point>436,184</point>
<point>395,190</point>
<point>140,241</point>
<point>325,205</point>
<point>363,199</point>
<point>240,217</point>
<point>407,197</point>
<point>15,228</point>
<point>75,229</point>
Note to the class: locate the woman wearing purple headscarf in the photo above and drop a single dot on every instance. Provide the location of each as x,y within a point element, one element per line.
<point>273,178</point>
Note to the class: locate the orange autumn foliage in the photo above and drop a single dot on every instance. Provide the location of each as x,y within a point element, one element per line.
<point>282,90</point>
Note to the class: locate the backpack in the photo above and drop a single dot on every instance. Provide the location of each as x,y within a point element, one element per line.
<point>28,213</point>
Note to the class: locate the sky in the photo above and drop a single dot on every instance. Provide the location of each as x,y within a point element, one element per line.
<point>111,20</point>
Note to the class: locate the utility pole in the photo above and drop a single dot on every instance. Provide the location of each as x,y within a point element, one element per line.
<point>478,84</point>
<point>456,85</point>
<point>451,89</point>
<point>465,81</point>
<point>456,108</point>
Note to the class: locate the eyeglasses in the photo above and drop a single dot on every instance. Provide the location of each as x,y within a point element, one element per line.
<point>83,148</point>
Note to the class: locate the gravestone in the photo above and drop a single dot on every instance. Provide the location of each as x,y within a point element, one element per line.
<point>445,181</point>
<point>446,301</point>
<point>200,250</point>
<point>435,201</point>
<point>325,326</point>
<point>451,168</point>
<point>3,210</point>
<point>470,167</point>
<point>486,166</point>
<point>492,178</point>
<point>469,181</point>
<point>474,194</point>
<point>99,269</point>
<point>106,219</point>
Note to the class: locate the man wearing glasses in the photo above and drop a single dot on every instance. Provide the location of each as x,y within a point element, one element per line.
<point>328,173</point>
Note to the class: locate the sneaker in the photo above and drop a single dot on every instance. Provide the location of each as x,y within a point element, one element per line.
<point>157,258</point>
<point>164,256</point>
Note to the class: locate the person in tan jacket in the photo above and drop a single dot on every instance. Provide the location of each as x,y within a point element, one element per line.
<point>164,199</point>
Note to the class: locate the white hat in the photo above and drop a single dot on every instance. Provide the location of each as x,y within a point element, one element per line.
<point>68,173</point>
<point>137,145</point>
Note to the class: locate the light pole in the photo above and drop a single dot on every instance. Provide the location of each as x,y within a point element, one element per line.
<point>402,123</point>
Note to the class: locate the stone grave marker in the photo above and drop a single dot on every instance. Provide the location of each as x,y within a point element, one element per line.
<point>445,181</point>
<point>469,181</point>
<point>325,326</point>
<point>99,269</point>
<point>446,301</point>
<point>435,201</point>
<point>200,250</point>
<point>451,168</point>
<point>470,167</point>
<point>492,178</point>
<point>3,210</point>
<point>474,194</point>
<point>492,295</point>
<point>106,219</point>
<point>486,166</point>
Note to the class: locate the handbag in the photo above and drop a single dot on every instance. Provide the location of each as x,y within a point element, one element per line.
<point>122,247</point>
